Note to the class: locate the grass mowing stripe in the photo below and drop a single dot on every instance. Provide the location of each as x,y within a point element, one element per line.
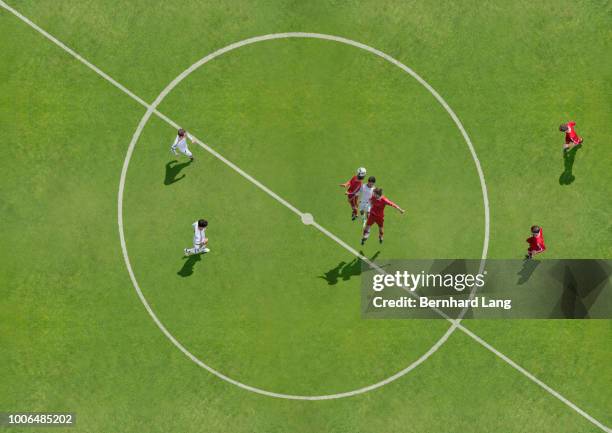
<point>473,336</point>
<point>533,378</point>
<point>152,109</point>
<point>74,54</point>
<point>306,218</point>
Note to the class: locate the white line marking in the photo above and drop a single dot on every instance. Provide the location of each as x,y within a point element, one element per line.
<point>456,324</point>
<point>534,379</point>
<point>74,54</point>
<point>307,219</point>
<point>195,359</point>
<point>152,110</point>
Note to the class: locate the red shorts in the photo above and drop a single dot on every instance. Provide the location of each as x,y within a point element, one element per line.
<point>537,249</point>
<point>570,141</point>
<point>380,220</point>
<point>352,199</point>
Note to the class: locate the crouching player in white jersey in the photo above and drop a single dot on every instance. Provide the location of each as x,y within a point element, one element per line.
<point>181,142</point>
<point>365,194</point>
<point>200,241</point>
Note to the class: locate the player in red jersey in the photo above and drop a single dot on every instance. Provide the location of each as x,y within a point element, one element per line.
<point>571,138</point>
<point>536,242</point>
<point>377,214</point>
<point>353,185</point>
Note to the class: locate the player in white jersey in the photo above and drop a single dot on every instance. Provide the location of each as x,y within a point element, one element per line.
<point>365,194</point>
<point>181,142</point>
<point>200,241</point>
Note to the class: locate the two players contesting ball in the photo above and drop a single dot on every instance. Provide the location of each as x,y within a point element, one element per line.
<point>369,201</point>
<point>366,199</point>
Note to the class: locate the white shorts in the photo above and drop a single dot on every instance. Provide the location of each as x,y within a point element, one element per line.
<point>186,152</point>
<point>200,245</point>
<point>364,206</point>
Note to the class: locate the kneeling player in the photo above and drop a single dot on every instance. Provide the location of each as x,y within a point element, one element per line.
<point>536,242</point>
<point>377,214</point>
<point>365,194</point>
<point>200,241</point>
<point>353,185</point>
<point>571,137</point>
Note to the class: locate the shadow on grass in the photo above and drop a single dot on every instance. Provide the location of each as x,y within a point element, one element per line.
<point>187,269</point>
<point>567,177</point>
<point>172,171</point>
<point>529,266</point>
<point>344,271</point>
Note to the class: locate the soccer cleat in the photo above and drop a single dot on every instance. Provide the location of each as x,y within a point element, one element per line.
<point>353,217</point>
<point>380,240</point>
<point>363,241</point>
<point>205,250</point>
<point>185,252</point>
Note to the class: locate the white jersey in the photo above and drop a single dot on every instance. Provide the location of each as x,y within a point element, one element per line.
<point>199,235</point>
<point>181,143</point>
<point>365,193</point>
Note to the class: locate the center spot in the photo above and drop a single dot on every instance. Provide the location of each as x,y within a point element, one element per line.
<point>307,218</point>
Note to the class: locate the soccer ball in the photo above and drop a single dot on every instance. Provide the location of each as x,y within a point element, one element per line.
<point>361,172</point>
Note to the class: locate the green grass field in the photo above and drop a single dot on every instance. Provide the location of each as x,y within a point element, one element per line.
<point>276,304</point>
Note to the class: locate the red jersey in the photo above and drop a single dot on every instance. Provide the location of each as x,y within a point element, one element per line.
<point>570,134</point>
<point>536,242</point>
<point>354,185</point>
<point>378,206</point>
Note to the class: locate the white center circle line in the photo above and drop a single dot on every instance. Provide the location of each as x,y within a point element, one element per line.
<point>305,217</point>
<point>108,78</point>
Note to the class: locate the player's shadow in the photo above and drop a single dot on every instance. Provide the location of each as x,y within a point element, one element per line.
<point>345,271</point>
<point>567,177</point>
<point>173,170</point>
<point>529,266</point>
<point>187,269</point>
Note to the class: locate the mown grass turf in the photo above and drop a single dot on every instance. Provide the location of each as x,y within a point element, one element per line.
<point>75,335</point>
<point>266,285</point>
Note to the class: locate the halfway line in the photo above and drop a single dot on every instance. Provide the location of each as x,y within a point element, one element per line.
<point>295,210</point>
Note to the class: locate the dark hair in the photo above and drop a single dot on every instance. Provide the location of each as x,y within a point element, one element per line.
<point>360,176</point>
<point>372,179</point>
<point>563,127</point>
<point>535,229</point>
<point>202,223</point>
<point>378,191</point>
<point>181,132</point>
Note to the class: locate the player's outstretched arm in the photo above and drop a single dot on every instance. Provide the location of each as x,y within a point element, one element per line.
<point>396,207</point>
